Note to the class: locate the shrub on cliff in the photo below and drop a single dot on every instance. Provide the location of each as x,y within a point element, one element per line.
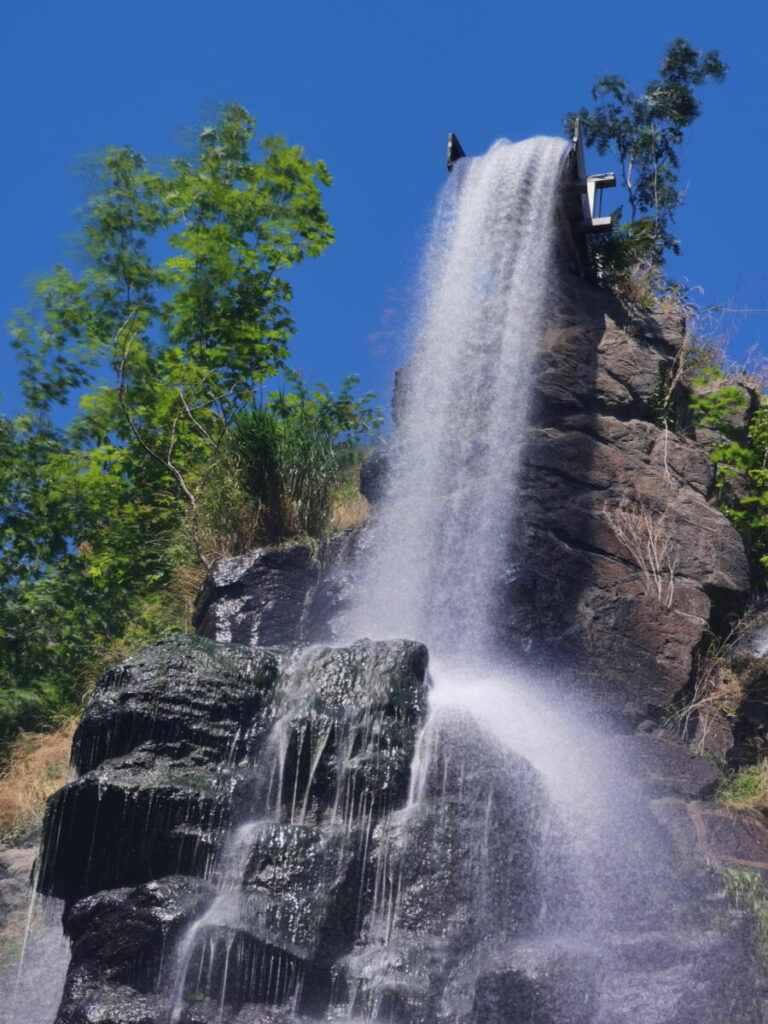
<point>645,132</point>
<point>740,454</point>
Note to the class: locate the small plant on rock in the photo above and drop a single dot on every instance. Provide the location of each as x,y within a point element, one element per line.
<point>748,893</point>
<point>644,533</point>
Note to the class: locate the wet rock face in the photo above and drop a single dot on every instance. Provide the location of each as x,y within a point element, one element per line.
<point>279,595</point>
<point>548,986</point>
<point>237,788</point>
<point>159,753</point>
<point>258,598</point>
<point>459,877</point>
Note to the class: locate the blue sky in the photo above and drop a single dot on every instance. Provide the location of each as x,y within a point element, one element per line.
<point>373,89</point>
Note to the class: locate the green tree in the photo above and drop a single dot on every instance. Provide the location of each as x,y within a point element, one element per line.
<point>740,456</point>
<point>184,302</point>
<point>161,344</point>
<point>645,133</point>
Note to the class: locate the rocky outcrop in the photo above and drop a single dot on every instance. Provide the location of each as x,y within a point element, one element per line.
<point>467,858</point>
<point>258,598</point>
<point>279,595</point>
<point>304,749</point>
<point>159,761</point>
<point>619,562</point>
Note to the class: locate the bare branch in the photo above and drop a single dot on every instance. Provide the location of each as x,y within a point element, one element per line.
<point>644,533</point>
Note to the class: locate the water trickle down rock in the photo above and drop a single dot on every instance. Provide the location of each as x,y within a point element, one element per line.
<point>457,876</point>
<point>315,744</point>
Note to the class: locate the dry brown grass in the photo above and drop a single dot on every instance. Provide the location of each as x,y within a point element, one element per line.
<point>37,766</point>
<point>643,531</point>
<point>349,510</point>
<point>717,692</point>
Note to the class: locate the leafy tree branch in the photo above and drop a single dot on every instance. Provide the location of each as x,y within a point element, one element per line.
<point>645,132</point>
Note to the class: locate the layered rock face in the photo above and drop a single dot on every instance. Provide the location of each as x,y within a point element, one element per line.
<point>239,789</point>
<point>619,562</point>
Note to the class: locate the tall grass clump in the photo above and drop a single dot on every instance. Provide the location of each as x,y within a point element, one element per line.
<point>289,467</point>
<point>285,468</point>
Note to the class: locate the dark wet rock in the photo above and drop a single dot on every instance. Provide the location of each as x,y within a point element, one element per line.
<point>751,637</point>
<point>373,475</point>
<point>462,873</point>
<point>95,1003</point>
<point>189,697</point>
<point>157,750</point>
<point>336,585</point>
<point>124,935</point>
<point>345,898</point>
<point>367,701</point>
<point>207,1011</point>
<point>258,598</point>
<point>133,819</point>
<point>548,986</point>
<point>300,889</point>
<point>129,844</point>
<point>279,595</point>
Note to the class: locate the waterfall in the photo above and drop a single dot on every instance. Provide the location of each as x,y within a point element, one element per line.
<point>437,554</point>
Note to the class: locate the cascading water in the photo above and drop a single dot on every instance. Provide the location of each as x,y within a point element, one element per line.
<point>437,552</point>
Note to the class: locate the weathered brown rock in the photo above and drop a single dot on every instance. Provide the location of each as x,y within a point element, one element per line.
<point>619,562</point>
<point>711,834</point>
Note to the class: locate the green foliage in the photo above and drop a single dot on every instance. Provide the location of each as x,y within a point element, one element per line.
<point>748,893</point>
<point>163,342</point>
<point>715,406</point>
<point>645,133</point>
<point>745,786</point>
<point>287,459</point>
<point>741,465</point>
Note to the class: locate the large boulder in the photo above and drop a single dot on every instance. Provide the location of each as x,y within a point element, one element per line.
<point>279,595</point>
<point>257,598</point>
<point>462,876</point>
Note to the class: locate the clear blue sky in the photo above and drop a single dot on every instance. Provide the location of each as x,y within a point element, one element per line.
<point>373,89</point>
